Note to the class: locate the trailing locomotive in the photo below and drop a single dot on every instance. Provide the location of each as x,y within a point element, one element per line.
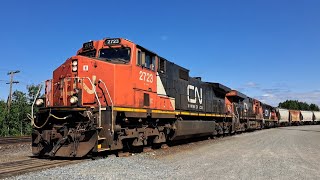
<point>115,95</point>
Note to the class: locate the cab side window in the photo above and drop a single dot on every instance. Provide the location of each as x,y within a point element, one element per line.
<point>146,60</point>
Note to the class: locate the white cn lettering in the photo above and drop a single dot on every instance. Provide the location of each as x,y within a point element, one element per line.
<point>190,100</point>
<point>197,94</point>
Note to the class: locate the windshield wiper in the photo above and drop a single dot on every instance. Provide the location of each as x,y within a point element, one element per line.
<point>121,60</point>
<point>103,58</point>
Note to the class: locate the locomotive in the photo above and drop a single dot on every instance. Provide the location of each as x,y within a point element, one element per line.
<point>114,95</point>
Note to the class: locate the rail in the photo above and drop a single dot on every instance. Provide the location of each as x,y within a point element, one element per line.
<point>112,128</point>
<point>14,140</point>
<point>13,168</point>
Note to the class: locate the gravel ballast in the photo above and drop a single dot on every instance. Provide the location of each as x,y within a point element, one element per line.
<point>281,153</point>
<point>13,152</point>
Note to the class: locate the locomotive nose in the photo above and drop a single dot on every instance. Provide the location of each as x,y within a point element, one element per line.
<point>64,82</point>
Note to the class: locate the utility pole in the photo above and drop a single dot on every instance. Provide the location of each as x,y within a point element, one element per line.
<point>11,74</point>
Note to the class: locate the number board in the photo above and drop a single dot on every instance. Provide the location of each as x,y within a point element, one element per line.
<point>87,45</point>
<point>112,41</point>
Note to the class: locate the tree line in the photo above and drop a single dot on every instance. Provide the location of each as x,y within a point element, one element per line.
<point>13,120</point>
<point>297,105</point>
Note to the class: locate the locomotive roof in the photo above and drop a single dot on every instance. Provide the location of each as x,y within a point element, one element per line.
<point>237,94</point>
<point>220,87</point>
<point>143,48</point>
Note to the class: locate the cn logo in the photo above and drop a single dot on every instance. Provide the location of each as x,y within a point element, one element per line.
<point>197,94</point>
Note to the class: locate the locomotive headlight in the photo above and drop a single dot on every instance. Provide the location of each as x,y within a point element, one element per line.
<point>74,68</point>
<point>73,100</point>
<point>74,65</point>
<point>39,102</point>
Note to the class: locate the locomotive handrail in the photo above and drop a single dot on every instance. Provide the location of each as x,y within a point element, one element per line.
<point>32,107</point>
<point>93,87</point>
<point>112,129</point>
<point>95,93</point>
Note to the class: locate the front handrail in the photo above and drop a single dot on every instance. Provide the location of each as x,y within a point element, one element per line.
<point>112,121</point>
<point>34,101</point>
<point>96,95</point>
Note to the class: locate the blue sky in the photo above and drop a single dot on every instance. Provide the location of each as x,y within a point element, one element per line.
<point>267,49</point>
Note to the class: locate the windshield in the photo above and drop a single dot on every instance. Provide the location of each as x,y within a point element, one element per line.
<point>122,54</point>
<point>88,53</point>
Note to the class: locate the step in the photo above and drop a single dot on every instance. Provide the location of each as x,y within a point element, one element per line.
<point>103,149</point>
<point>101,138</point>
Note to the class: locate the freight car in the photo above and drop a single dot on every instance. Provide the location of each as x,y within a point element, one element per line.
<point>306,117</point>
<point>316,117</point>
<point>295,117</point>
<point>283,115</point>
<point>114,95</point>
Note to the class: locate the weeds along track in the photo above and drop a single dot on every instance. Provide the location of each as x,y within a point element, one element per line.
<point>14,168</point>
<point>14,140</point>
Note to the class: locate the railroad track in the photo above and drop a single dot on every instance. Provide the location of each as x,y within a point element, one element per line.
<point>14,168</point>
<point>15,140</point>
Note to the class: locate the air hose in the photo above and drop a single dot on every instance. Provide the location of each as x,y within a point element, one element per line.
<point>50,115</point>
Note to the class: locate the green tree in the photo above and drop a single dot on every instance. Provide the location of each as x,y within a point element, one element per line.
<point>16,122</point>
<point>18,113</point>
<point>314,107</point>
<point>3,114</point>
<point>297,105</point>
<point>32,92</point>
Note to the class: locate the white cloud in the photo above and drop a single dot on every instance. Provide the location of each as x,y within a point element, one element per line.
<point>280,96</point>
<point>278,92</point>
<point>252,85</point>
<point>268,95</point>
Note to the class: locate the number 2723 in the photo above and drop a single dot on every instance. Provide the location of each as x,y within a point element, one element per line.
<point>144,76</point>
